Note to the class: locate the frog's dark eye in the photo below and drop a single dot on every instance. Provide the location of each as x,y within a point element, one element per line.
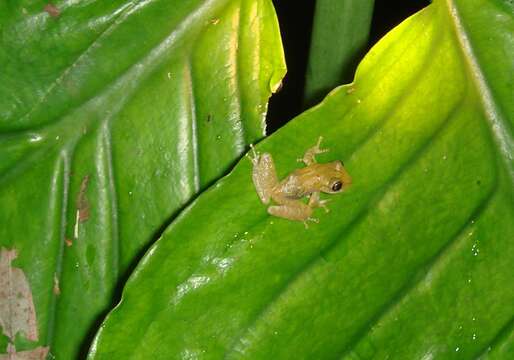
<point>337,186</point>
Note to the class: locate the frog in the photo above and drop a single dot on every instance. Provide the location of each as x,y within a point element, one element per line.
<point>309,181</point>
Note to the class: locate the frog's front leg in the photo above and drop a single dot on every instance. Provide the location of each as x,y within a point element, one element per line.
<point>292,210</point>
<point>310,155</point>
<point>314,201</point>
<point>264,175</point>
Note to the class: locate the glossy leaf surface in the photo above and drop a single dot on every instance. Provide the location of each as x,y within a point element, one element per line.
<point>414,260</point>
<point>113,115</point>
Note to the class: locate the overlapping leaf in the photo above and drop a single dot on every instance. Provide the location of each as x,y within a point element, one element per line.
<point>414,261</point>
<point>113,114</point>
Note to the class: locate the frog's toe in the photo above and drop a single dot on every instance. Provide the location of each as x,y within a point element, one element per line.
<point>317,148</point>
<point>306,224</point>
<point>323,204</point>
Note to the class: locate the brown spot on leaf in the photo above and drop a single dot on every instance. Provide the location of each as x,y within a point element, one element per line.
<point>39,353</point>
<point>52,10</point>
<point>17,313</point>
<point>82,202</point>
<point>56,289</point>
<point>68,242</point>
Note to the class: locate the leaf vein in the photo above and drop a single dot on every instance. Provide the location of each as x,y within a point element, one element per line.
<point>409,286</point>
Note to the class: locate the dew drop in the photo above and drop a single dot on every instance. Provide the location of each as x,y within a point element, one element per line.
<point>35,137</point>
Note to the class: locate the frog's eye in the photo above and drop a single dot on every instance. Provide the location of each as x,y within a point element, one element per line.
<point>337,186</point>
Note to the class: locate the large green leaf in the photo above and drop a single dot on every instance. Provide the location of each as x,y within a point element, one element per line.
<point>113,115</point>
<point>415,259</point>
<point>339,37</point>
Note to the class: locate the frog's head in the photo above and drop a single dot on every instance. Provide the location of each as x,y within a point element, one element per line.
<point>335,178</point>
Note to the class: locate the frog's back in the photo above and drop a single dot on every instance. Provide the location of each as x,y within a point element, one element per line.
<point>301,182</point>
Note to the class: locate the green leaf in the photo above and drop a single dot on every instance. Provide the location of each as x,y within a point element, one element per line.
<point>113,115</point>
<point>339,38</point>
<point>413,261</point>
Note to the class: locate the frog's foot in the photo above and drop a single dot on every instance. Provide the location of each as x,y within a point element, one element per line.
<point>310,155</point>
<point>306,224</point>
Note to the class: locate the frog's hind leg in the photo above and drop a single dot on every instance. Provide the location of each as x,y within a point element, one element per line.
<point>310,155</point>
<point>293,210</point>
<point>264,175</point>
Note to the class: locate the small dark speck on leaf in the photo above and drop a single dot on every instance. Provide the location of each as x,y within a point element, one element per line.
<point>209,118</point>
<point>52,10</point>
<point>479,182</point>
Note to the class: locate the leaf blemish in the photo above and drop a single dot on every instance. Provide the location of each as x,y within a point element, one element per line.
<point>39,353</point>
<point>56,289</point>
<point>82,202</point>
<point>52,10</point>
<point>17,313</point>
<point>82,214</point>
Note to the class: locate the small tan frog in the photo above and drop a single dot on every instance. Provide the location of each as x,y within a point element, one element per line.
<point>309,181</point>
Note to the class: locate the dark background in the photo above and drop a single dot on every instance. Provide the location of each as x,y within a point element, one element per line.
<point>295,18</point>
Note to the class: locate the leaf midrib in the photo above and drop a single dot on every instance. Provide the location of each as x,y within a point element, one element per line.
<point>497,123</point>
